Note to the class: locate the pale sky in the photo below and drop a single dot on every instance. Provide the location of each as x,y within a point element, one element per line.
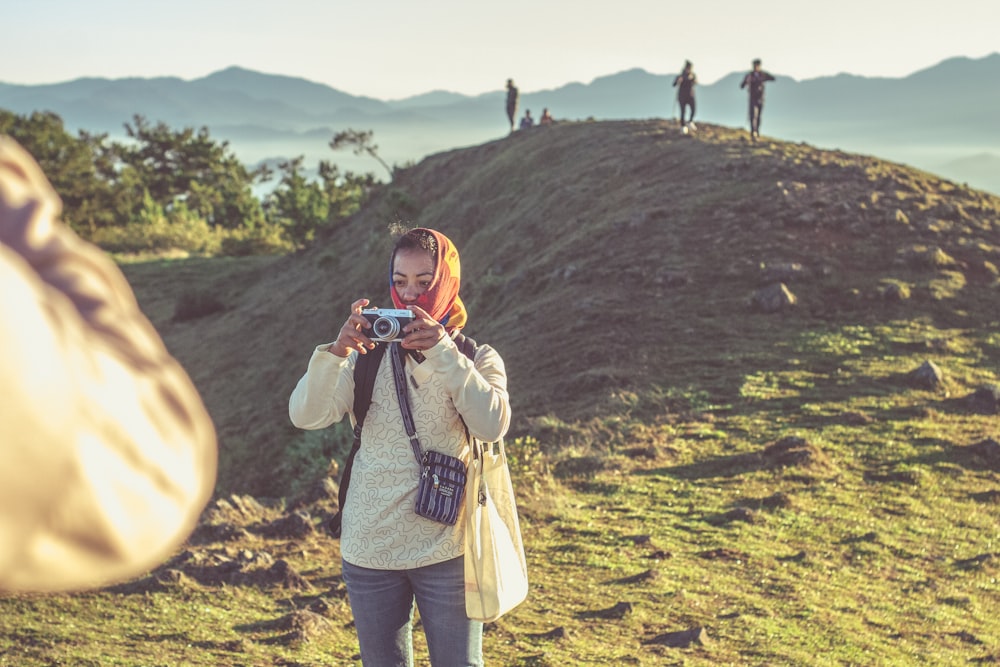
<point>390,49</point>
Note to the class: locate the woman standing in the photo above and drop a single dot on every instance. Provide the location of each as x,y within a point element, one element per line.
<point>392,557</point>
<point>685,82</point>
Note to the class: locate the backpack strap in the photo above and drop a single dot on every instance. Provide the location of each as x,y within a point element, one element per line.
<point>466,346</point>
<point>365,371</point>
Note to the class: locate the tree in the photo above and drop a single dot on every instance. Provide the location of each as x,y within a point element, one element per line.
<point>345,192</point>
<point>298,206</point>
<point>362,142</point>
<point>71,166</point>
<point>189,166</point>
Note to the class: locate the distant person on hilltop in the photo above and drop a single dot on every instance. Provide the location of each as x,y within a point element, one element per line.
<point>107,453</point>
<point>527,122</point>
<point>755,80</point>
<point>685,82</point>
<point>512,96</point>
<point>546,118</point>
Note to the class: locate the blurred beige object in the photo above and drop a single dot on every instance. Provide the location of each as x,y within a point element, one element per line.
<point>107,454</point>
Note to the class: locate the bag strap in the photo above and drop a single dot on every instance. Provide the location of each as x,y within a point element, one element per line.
<point>365,371</point>
<point>403,394</point>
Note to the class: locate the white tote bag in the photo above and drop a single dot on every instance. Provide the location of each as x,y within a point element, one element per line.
<point>496,572</point>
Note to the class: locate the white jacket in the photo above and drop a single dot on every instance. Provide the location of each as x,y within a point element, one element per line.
<point>448,392</point>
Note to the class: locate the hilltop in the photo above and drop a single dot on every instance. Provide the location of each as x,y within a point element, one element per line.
<point>612,264</point>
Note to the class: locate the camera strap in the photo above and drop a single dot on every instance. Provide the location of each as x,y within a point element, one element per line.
<point>403,394</point>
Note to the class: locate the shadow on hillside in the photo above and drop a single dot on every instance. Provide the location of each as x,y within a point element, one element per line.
<point>981,456</point>
<point>722,466</point>
<point>926,405</point>
<point>789,452</point>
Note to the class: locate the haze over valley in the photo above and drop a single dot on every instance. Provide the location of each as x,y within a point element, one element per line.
<point>942,119</point>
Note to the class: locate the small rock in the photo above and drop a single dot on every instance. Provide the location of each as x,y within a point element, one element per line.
<point>856,418</point>
<point>282,574</point>
<point>894,291</point>
<point>725,554</point>
<point>305,626</point>
<point>779,500</point>
<point>616,612</point>
<point>296,525</point>
<point>736,514</point>
<point>988,452</point>
<point>647,575</point>
<point>790,451</point>
<point>681,639</point>
<point>974,562</point>
<point>986,399</point>
<point>555,633</point>
<point>171,578</point>
<point>773,299</point>
<point>927,376</point>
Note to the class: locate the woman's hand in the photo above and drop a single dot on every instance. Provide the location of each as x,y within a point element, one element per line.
<point>422,333</point>
<point>351,335</point>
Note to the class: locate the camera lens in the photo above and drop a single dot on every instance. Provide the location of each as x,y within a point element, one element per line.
<point>386,327</point>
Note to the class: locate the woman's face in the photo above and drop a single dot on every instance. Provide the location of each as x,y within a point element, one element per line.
<point>412,273</point>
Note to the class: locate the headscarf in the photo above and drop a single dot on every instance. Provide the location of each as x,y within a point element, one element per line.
<point>441,299</point>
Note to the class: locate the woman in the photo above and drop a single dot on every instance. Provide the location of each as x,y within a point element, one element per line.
<point>391,556</point>
<point>685,82</point>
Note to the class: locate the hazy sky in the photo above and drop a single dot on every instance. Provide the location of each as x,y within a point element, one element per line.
<point>395,48</point>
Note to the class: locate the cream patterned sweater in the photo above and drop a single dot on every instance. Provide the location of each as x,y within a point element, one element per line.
<point>380,528</point>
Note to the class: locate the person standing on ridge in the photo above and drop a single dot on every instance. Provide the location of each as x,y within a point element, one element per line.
<point>511,102</point>
<point>755,80</point>
<point>685,82</point>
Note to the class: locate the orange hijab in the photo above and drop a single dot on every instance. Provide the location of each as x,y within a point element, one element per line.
<point>441,299</point>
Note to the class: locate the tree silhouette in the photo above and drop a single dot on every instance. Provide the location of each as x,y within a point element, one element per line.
<point>362,143</point>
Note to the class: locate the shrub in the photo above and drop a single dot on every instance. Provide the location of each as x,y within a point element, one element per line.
<point>195,303</point>
<point>182,231</point>
<point>266,239</point>
<point>158,232</point>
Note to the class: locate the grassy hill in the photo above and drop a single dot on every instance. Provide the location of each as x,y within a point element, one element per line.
<point>710,473</point>
<point>611,264</point>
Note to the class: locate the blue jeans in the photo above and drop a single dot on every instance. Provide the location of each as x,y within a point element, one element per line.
<point>382,604</point>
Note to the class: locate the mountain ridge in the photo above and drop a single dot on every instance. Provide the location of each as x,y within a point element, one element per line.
<point>929,118</point>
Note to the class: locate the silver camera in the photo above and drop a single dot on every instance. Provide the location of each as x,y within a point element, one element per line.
<point>387,323</point>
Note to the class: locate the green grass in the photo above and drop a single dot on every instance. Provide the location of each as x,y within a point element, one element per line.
<point>615,281</point>
<point>844,571</point>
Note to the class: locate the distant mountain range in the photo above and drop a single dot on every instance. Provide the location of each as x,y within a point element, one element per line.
<point>944,119</point>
